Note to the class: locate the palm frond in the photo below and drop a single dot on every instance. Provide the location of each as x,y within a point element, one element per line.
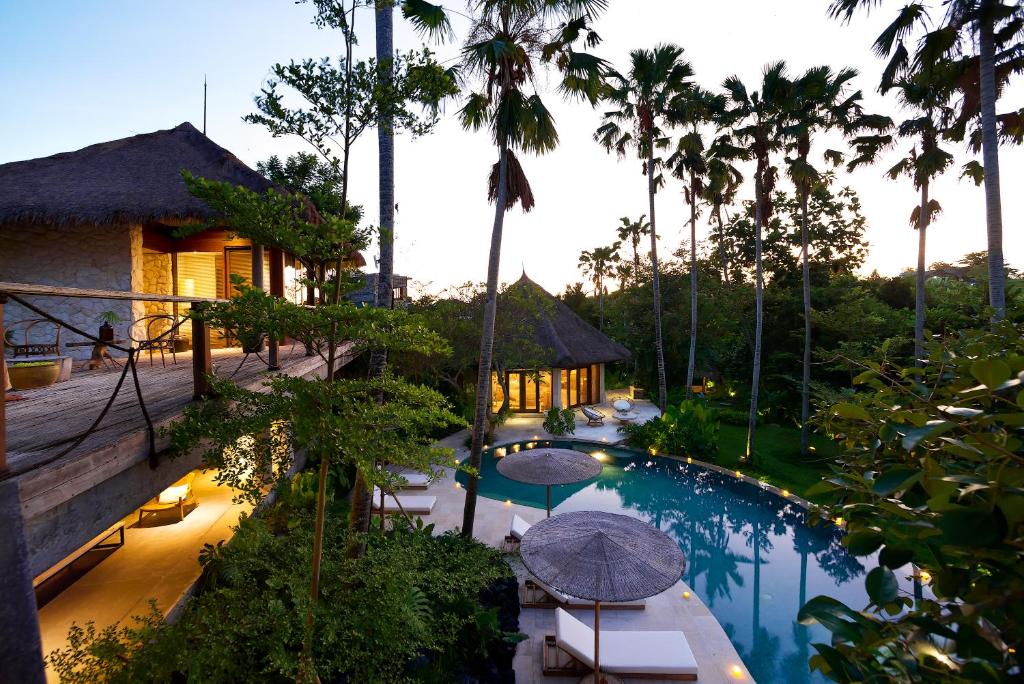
<point>428,19</point>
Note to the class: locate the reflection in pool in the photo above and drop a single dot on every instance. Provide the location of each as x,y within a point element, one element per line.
<point>749,556</point>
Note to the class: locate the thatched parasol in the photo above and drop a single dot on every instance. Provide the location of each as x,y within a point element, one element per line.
<point>549,467</point>
<point>598,557</point>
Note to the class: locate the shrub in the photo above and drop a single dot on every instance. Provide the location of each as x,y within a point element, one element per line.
<point>690,428</point>
<point>932,476</point>
<point>560,421</point>
<point>731,416</point>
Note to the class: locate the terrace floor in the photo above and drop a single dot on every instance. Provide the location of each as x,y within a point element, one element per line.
<point>715,654</point>
<point>47,419</point>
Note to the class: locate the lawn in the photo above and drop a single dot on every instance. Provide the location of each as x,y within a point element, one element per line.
<point>778,455</point>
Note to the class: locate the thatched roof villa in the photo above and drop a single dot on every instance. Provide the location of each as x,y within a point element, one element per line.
<point>566,356</point>
<point>103,217</point>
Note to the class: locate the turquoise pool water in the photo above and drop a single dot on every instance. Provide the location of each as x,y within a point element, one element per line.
<point>749,555</point>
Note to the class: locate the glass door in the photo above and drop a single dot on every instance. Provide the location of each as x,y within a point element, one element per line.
<point>529,386</point>
<point>515,391</point>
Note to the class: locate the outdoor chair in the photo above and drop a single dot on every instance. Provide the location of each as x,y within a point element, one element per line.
<point>411,479</point>
<point>641,655</point>
<point>178,495</point>
<point>147,331</point>
<point>26,327</point>
<point>594,417</point>
<point>418,504</point>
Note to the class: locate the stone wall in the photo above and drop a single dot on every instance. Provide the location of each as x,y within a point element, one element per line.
<point>99,257</point>
<point>156,279</point>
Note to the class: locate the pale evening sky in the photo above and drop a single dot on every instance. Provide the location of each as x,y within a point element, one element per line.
<point>77,73</point>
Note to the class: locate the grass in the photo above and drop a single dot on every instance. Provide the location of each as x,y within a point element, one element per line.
<point>778,459</point>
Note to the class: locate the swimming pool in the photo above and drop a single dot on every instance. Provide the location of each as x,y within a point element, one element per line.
<point>749,555</point>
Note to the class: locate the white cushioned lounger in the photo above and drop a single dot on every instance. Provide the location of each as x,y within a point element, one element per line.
<point>410,503</point>
<point>518,527</point>
<point>626,653</point>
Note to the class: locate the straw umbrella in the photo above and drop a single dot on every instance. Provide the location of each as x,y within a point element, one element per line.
<point>549,467</point>
<point>599,557</point>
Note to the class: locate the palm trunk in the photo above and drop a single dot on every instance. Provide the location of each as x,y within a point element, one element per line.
<point>990,160</point>
<point>483,380</point>
<point>805,385</point>
<point>755,381</point>
<point>658,349</point>
<point>721,247</point>
<point>600,305</point>
<point>693,290</point>
<point>919,295</point>
<point>383,297</point>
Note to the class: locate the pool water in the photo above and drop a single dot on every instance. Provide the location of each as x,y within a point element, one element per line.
<point>749,555</point>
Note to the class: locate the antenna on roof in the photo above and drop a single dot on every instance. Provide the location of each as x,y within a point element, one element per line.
<point>204,104</point>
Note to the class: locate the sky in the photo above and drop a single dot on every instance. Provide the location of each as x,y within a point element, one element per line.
<point>76,73</point>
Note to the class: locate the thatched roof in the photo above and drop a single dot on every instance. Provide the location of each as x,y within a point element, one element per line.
<point>131,180</point>
<point>570,340</point>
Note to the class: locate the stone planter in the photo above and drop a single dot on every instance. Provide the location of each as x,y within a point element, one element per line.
<point>33,374</point>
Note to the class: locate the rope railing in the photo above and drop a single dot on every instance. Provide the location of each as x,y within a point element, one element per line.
<point>12,292</point>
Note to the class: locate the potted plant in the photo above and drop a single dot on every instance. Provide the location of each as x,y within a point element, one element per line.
<point>107,319</point>
<point>25,375</point>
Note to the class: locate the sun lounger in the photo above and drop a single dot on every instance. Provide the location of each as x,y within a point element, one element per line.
<point>594,417</point>
<point>413,479</point>
<point>633,655</point>
<point>516,529</point>
<point>411,503</point>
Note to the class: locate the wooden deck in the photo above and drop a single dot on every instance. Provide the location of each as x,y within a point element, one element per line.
<point>46,420</point>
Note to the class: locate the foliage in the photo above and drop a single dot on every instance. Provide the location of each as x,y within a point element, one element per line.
<point>109,317</point>
<point>29,364</point>
<point>307,174</point>
<point>560,422</point>
<point>407,610</point>
<point>932,475</point>
<point>691,428</point>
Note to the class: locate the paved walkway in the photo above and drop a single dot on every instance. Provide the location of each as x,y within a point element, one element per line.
<point>715,654</point>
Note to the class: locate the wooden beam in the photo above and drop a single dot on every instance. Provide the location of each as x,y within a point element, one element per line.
<point>276,290</point>
<point>56,291</point>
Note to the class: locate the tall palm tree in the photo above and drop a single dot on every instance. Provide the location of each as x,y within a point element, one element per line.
<point>757,119</point>
<point>927,94</point>
<point>633,231</point>
<point>821,103</point>
<point>693,110</point>
<point>510,40</point>
<point>724,180</point>
<point>994,27</point>
<point>599,264</point>
<point>642,97</point>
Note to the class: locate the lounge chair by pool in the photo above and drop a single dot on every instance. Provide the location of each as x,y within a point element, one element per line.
<point>412,503</point>
<point>594,417</point>
<point>643,655</point>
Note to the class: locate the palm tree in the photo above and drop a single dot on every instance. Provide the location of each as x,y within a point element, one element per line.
<point>821,103</point>
<point>642,98</point>
<point>757,119</point>
<point>991,25</point>
<point>508,42</point>
<point>599,264</point>
<point>693,109</point>
<point>928,95</point>
<point>724,180</point>
<point>633,231</point>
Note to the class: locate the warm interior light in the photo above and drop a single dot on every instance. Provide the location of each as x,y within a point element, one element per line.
<point>736,671</point>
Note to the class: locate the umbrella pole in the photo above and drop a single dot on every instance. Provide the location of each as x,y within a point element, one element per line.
<point>597,642</point>
<point>548,488</point>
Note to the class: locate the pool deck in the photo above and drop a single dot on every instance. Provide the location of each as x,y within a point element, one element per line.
<point>715,654</point>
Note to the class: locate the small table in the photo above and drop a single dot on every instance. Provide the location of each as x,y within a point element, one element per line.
<point>100,352</point>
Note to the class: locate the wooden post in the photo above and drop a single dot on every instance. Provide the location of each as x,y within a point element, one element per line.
<point>202,363</point>
<point>257,266</point>
<point>276,290</point>
<point>597,642</point>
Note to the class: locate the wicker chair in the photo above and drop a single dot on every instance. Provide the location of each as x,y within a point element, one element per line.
<point>28,348</point>
<point>146,334</point>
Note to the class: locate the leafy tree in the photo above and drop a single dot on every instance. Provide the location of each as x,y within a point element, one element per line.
<point>931,479</point>
<point>509,42</point>
<point>724,181</point>
<point>633,231</point>
<point>598,264</point>
<point>643,98</point>
<point>757,118</point>
<point>246,434</point>
<point>306,174</point>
